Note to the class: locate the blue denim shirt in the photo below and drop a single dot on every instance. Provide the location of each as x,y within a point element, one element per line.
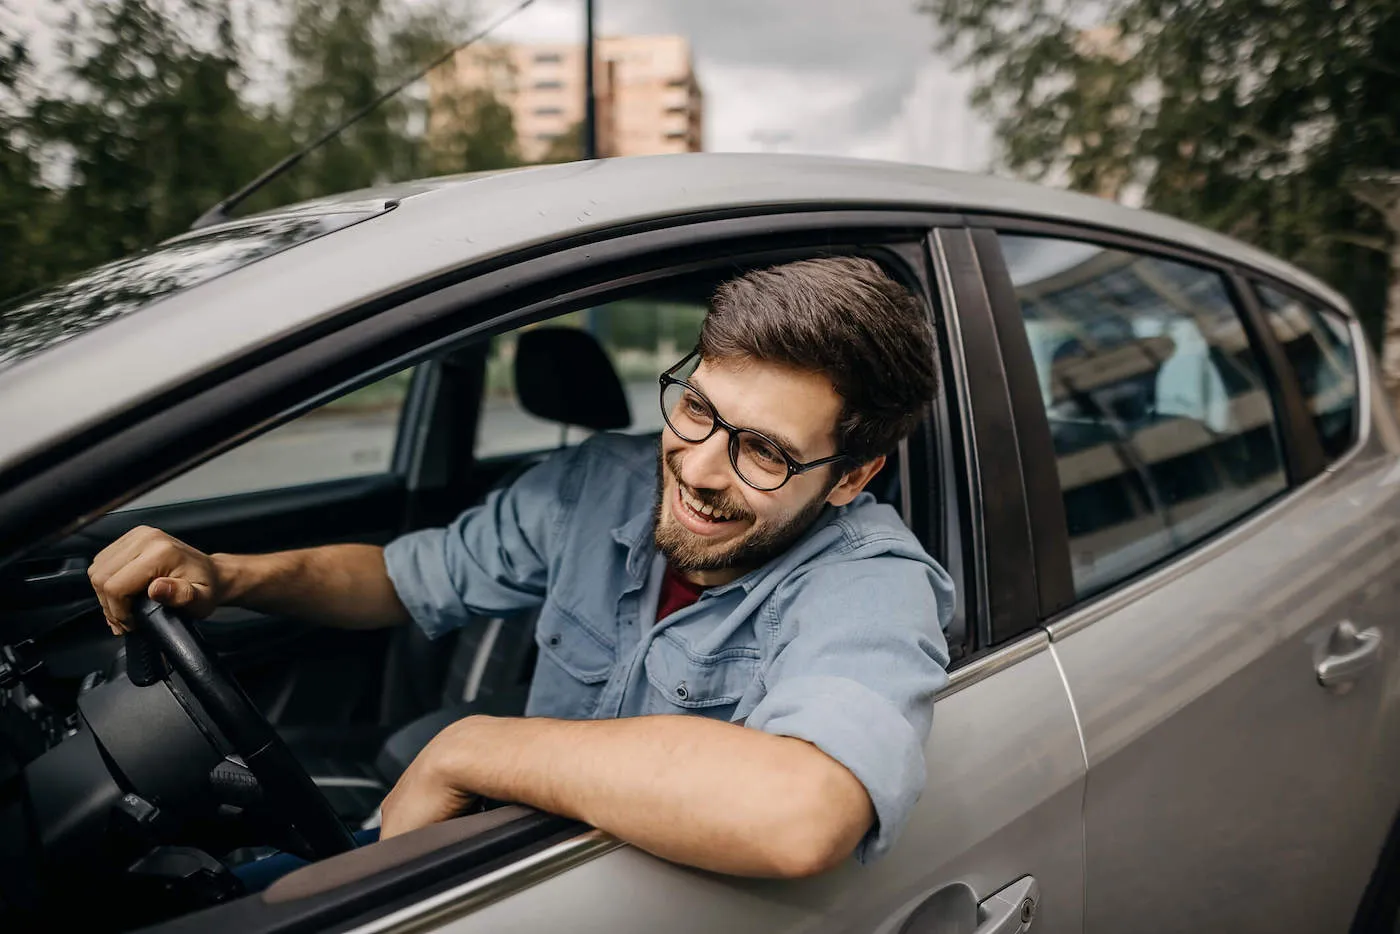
<point>838,641</point>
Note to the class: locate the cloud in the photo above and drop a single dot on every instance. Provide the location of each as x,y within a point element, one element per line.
<point>821,76</point>
<point>847,77</point>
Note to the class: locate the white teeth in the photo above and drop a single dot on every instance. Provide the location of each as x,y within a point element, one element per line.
<point>701,508</point>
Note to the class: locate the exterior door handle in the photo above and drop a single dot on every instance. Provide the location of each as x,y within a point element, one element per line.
<point>1349,653</point>
<point>1011,910</point>
<point>954,909</point>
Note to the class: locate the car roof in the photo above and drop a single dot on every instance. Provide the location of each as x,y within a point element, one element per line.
<point>438,225</point>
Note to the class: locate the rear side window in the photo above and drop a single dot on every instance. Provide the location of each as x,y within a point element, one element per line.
<point>1163,430</point>
<point>1318,344</point>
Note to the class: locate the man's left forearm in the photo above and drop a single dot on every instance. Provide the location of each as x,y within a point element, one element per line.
<point>696,791</point>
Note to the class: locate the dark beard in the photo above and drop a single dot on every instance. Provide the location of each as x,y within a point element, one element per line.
<point>764,541</point>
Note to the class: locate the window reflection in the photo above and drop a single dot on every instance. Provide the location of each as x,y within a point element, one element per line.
<point>1319,347</point>
<point>36,321</point>
<point>1162,425</point>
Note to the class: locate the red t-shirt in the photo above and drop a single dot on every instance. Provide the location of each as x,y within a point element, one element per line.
<point>676,593</point>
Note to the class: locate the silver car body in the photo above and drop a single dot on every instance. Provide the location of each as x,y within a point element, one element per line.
<point>1161,758</point>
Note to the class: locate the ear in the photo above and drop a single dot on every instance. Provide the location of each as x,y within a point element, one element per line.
<point>854,481</point>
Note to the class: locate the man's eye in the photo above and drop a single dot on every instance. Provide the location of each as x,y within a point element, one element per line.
<point>694,406</point>
<point>765,452</point>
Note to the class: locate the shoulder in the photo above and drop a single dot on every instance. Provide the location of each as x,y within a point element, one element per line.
<point>863,552</point>
<point>609,477</point>
<point>607,451</point>
<point>866,527</point>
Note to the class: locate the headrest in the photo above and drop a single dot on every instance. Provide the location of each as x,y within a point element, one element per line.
<point>563,375</point>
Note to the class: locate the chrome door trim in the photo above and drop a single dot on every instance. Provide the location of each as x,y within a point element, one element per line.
<point>448,906</point>
<point>1027,646</point>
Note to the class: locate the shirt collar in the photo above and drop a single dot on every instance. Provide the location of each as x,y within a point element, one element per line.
<point>636,536</point>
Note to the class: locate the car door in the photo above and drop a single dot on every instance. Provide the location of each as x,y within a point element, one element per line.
<point>1228,630</point>
<point>995,843</point>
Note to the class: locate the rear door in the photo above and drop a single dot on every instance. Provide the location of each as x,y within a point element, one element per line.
<point>1228,627</point>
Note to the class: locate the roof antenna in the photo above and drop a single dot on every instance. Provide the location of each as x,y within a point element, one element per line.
<point>219,212</point>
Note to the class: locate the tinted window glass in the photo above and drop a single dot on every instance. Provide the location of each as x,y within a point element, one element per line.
<point>1318,344</point>
<point>1162,427</point>
<point>38,320</point>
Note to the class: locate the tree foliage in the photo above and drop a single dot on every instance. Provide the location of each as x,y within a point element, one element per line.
<point>1253,117</point>
<point>149,120</point>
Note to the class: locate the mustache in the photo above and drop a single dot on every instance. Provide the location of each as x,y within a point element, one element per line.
<point>715,499</point>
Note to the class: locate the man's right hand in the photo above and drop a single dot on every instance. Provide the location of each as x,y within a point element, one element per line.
<point>150,562</point>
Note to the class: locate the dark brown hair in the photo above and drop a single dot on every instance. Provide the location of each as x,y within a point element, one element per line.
<point>842,317</point>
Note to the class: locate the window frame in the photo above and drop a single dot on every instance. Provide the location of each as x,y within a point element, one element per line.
<point>1301,449</point>
<point>1252,282</point>
<point>922,457</point>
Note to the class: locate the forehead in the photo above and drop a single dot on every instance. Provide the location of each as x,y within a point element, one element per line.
<point>800,405</point>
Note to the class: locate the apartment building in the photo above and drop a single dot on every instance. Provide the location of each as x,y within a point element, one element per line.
<point>648,99</point>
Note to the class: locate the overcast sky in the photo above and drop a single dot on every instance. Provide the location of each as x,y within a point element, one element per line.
<point>848,77</point>
<point>844,77</point>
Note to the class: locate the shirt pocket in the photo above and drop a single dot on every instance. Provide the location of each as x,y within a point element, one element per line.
<point>573,646</point>
<point>694,681</point>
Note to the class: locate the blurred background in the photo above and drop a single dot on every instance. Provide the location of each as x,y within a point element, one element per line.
<point>1274,121</point>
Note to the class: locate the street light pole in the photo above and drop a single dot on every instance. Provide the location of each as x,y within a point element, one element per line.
<point>590,102</point>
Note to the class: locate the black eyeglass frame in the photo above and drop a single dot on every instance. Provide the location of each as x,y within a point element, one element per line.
<point>794,466</point>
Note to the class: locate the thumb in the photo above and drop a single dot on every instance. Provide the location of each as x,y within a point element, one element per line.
<point>171,591</point>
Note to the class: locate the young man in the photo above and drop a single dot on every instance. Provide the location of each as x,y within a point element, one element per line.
<point>739,648</point>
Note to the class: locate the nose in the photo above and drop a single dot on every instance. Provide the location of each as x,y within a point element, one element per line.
<point>706,465</point>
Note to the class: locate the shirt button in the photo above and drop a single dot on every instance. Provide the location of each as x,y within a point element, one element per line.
<point>681,691</point>
<point>553,640</point>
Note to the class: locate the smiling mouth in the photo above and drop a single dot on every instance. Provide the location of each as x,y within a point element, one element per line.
<point>701,511</point>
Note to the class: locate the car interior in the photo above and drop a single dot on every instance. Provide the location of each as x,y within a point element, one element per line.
<point>353,707</point>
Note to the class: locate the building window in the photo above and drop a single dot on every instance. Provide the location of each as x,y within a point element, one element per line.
<point>549,111</point>
<point>548,85</point>
<point>548,58</point>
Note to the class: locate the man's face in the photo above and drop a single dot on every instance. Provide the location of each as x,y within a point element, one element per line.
<point>798,409</point>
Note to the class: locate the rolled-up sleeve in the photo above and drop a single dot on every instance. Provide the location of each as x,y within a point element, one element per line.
<point>862,655</point>
<point>493,559</point>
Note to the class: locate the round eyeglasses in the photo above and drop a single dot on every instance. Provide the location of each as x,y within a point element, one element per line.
<point>757,459</point>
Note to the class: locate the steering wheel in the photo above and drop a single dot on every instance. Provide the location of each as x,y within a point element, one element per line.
<point>286,788</point>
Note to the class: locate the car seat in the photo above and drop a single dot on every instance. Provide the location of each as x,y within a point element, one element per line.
<point>561,375</point>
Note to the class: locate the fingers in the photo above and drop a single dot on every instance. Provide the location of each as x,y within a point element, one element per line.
<point>129,566</point>
<point>173,592</point>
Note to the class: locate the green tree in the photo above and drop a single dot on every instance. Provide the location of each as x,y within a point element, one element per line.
<point>152,130</point>
<point>24,200</point>
<point>346,54</point>
<point>566,147</point>
<point>472,131</point>
<point>1260,118</point>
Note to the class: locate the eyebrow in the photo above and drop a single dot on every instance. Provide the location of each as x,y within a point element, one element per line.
<point>793,450</point>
